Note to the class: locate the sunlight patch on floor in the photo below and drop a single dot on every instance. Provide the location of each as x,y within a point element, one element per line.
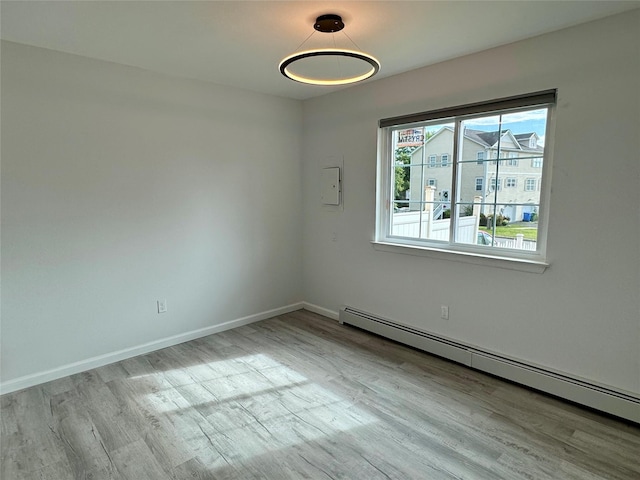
<point>266,408</point>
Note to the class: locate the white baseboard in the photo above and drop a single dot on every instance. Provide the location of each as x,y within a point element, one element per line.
<point>106,359</point>
<point>561,384</point>
<point>320,310</point>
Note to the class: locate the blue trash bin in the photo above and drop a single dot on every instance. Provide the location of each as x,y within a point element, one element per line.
<point>526,217</point>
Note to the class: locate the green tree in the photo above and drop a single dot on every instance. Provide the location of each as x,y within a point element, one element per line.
<point>402,172</point>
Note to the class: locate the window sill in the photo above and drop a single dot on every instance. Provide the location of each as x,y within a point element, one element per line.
<point>523,265</point>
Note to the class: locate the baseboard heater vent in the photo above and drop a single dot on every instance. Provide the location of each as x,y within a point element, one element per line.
<point>622,404</point>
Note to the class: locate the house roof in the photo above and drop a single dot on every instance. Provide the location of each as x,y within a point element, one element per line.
<point>523,140</point>
<point>521,137</point>
<point>489,139</point>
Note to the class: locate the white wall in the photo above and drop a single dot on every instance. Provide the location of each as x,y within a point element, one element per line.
<point>582,315</point>
<point>121,187</point>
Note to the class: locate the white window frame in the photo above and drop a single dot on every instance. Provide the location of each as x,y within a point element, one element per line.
<point>444,159</point>
<point>432,182</point>
<point>479,184</point>
<point>510,182</point>
<point>480,157</point>
<point>432,161</point>
<point>450,249</point>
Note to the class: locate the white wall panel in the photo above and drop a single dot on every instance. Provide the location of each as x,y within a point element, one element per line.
<point>121,187</point>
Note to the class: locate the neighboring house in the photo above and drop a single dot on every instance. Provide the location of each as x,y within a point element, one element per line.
<point>512,181</point>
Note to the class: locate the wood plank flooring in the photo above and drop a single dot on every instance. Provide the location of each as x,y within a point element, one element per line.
<point>300,396</point>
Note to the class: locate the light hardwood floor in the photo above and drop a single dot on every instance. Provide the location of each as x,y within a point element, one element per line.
<point>300,396</point>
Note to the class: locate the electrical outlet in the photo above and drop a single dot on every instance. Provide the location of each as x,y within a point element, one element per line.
<point>444,312</point>
<point>162,306</point>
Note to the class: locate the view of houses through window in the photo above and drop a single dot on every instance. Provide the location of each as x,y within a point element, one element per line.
<point>492,164</point>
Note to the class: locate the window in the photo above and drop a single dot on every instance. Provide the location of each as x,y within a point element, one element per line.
<point>461,130</point>
<point>536,162</point>
<point>530,185</point>
<point>498,155</point>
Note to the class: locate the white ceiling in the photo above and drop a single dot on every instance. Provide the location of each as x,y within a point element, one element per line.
<point>240,43</point>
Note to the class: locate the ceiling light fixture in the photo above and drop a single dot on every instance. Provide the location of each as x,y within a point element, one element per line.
<point>329,66</point>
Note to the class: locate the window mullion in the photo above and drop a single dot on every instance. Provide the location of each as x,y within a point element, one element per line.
<point>457,151</point>
<point>422,186</point>
<point>494,219</point>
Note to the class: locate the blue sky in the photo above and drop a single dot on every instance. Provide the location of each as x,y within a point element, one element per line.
<point>519,122</point>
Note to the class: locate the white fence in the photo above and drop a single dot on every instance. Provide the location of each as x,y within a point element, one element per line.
<point>519,243</point>
<point>416,224</point>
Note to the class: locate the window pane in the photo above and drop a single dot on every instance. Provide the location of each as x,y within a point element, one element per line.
<point>480,139</point>
<point>525,191</point>
<point>467,224</point>
<point>500,226</point>
<point>423,176</point>
<point>477,180</point>
<point>420,220</point>
<point>512,226</point>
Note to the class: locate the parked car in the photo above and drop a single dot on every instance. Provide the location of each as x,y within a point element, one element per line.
<point>484,238</point>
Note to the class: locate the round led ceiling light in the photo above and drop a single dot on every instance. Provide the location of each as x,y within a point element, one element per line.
<point>329,66</point>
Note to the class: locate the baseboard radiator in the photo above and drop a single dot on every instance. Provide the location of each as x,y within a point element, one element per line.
<point>622,404</point>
